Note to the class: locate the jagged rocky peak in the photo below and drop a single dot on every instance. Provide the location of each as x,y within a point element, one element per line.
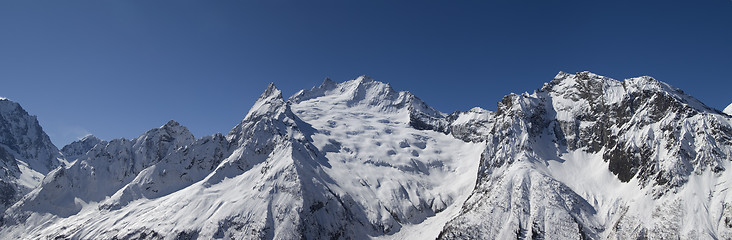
<point>585,86</point>
<point>471,126</point>
<point>76,149</point>
<point>595,113</point>
<point>24,138</point>
<point>103,170</point>
<point>599,90</point>
<point>328,84</point>
<point>26,153</point>
<point>158,142</point>
<point>171,131</point>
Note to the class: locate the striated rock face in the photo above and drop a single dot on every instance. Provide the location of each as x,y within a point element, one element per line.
<point>583,157</point>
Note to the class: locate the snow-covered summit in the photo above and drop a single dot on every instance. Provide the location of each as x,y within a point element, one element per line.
<point>728,109</point>
<point>268,101</point>
<point>365,92</point>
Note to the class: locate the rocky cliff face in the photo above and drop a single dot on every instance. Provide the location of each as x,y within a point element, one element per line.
<point>656,141</point>
<point>26,153</point>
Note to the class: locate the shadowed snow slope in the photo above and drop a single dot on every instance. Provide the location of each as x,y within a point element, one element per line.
<point>584,157</point>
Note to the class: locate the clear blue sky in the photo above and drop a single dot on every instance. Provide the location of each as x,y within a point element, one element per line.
<point>116,68</point>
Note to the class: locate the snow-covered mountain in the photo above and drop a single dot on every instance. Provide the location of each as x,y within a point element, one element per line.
<point>585,156</point>
<point>728,109</point>
<point>26,153</point>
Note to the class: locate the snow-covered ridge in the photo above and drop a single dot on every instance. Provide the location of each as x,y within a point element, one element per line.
<point>76,149</point>
<point>364,91</point>
<point>585,156</point>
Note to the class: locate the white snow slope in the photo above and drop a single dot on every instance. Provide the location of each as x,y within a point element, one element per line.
<point>728,109</point>
<point>583,157</point>
<point>341,163</point>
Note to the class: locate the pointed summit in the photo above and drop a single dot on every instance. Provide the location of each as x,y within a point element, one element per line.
<point>24,138</point>
<point>170,124</point>
<point>270,92</point>
<point>328,84</point>
<point>270,101</point>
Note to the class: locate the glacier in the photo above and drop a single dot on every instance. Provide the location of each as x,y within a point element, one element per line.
<point>583,157</point>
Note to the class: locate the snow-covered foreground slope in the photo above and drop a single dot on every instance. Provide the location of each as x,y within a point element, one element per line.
<point>584,157</point>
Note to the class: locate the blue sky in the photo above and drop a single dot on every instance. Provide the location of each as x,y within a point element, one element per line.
<point>118,68</point>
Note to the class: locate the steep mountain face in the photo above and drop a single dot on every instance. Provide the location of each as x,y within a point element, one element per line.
<point>584,157</point>
<point>656,156</point>
<point>26,153</point>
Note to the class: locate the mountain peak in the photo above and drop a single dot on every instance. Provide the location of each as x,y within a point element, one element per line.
<point>90,137</point>
<point>328,83</point>
<point>170,124</point>
<point>76,149</point>
<point>271,92</point>
<point>364,78</point>
<point>7,105</point>
<point>21,133</point>
<point>728,109</point>
<point>270,101</point>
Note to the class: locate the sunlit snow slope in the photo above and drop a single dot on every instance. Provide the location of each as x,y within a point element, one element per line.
<point>583,157</point>
<point>342,160</point>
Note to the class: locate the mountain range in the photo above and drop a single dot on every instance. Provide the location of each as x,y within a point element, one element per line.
<point>582,157</point>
